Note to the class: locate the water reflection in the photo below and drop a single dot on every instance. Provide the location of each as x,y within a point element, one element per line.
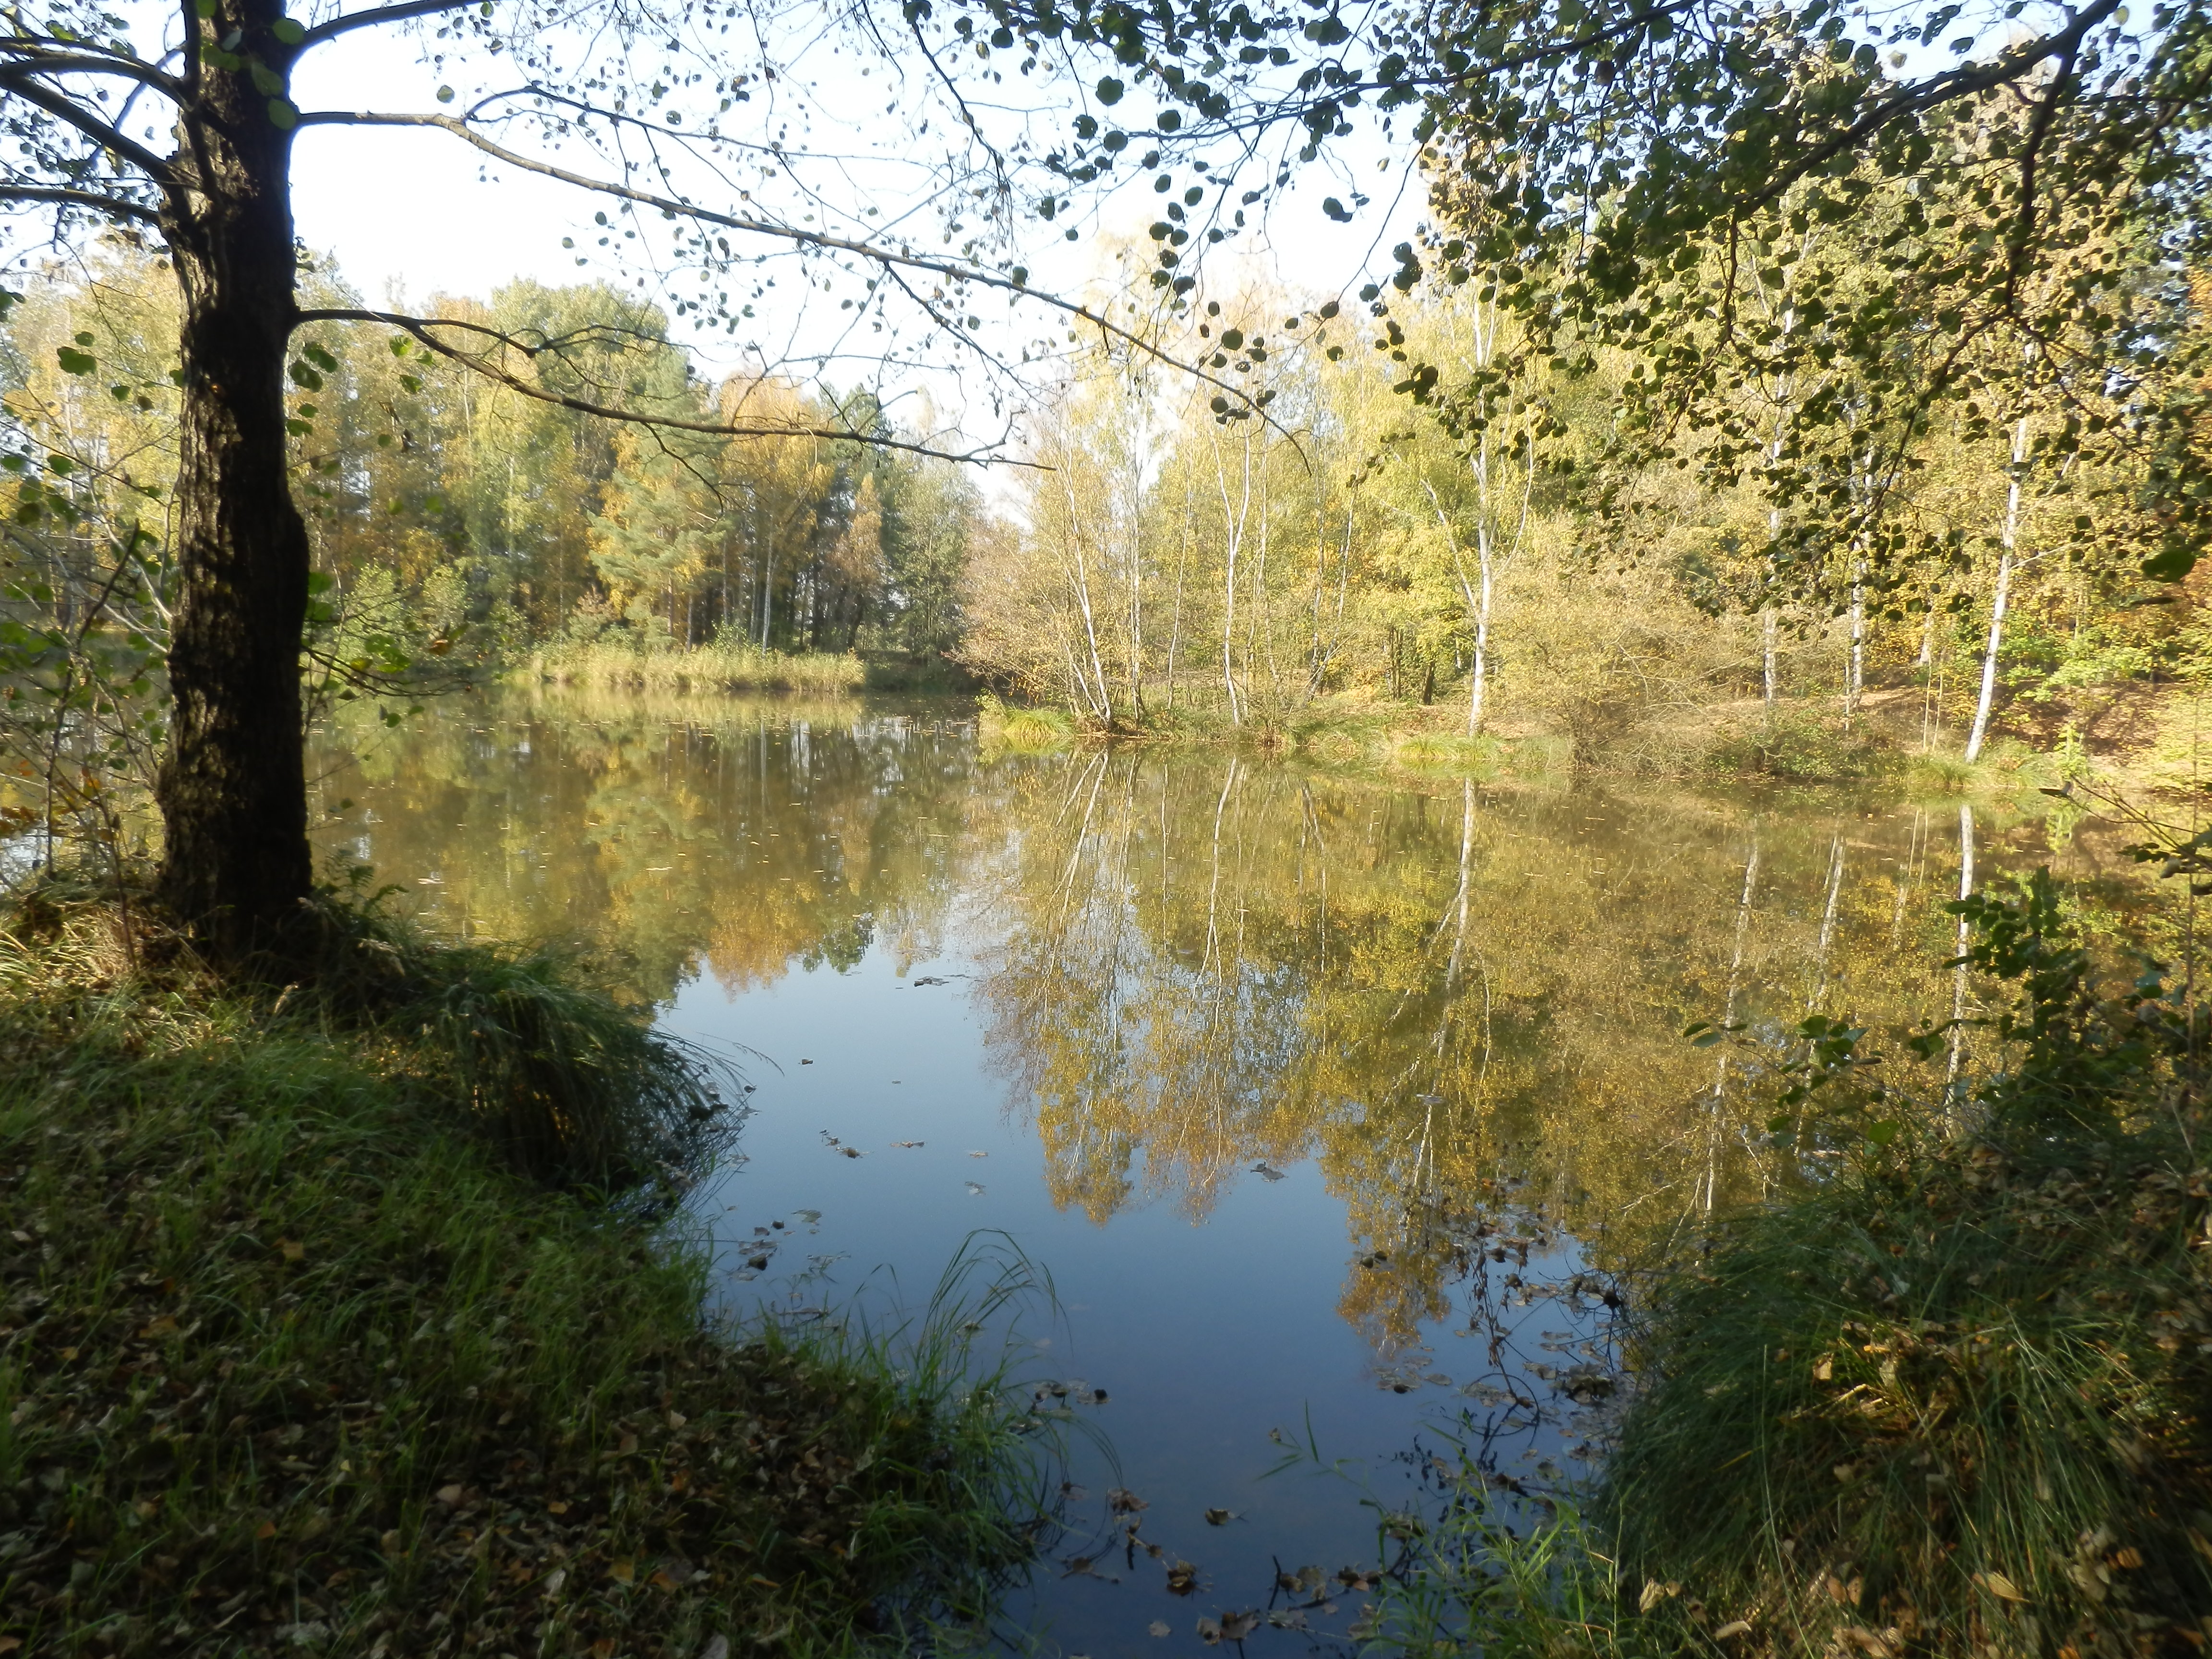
<point>1412,1055</point>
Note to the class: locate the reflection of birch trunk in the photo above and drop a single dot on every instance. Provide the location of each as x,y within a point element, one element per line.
<point>1909,875</point>
<point>1959,984</point>
<point>1981,726</point>
<point>1214,888</point>
<point>1827,926</point>
<point>1465,859</point>
<point>1728,1018</point>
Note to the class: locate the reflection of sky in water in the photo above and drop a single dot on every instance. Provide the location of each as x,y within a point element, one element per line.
<point>1152,974</point>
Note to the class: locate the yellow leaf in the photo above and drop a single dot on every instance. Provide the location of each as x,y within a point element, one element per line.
<point>661,1581</point>
<point>164,1326</point>
<point>622,1572</point>
<point>267,1529</point>
<point>2001,1587</point>
<point>294,1251</point>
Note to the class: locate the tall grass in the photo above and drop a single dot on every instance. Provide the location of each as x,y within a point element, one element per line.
<point>724,666</point>
<point>1948,1397</point>
<point>1003,726</point>
<point>519,1043</point>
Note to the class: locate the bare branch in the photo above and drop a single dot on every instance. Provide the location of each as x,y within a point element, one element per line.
<point>17,80</point>
<point>369,19</point>
<point>675,208</point>
<point>115,207</point>
<point>78,58</point>
<point>421,328</point>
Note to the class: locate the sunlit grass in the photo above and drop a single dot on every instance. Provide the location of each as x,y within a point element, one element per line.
<point>706,669</point>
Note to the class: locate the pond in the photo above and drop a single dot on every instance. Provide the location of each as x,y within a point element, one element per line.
<point>1311,1092</point>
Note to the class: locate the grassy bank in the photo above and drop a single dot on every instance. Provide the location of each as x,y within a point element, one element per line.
<point>1798,740</point>
<point>1949,1396</point>
<point>297,1355</point>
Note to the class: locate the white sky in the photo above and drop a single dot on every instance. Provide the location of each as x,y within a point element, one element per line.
<point>408,214</point>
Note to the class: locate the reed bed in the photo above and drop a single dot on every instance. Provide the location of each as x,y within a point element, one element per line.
<point>705,669</point>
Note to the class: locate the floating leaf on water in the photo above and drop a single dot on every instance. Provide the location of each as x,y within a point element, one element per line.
<point>1219,1518</point>
<point>906,1143</point>
<point>1120,1500</point>
<point>979,1154</point>
<point>1158,1627</point>
<point>1235,1626</point>
<point>1209,1632</point>
<point>810,1216</point>
<point>975,1187</point>
<point>1182,1578</point>
<point>1288,1618</point>
<point>1266,1172</point>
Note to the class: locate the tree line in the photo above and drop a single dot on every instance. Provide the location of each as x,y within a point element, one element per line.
<point>487,516</point>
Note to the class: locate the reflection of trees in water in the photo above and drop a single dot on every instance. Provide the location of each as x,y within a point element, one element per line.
<point>1202,964</point>
<point>665,835</point>
<point>1198,962</point>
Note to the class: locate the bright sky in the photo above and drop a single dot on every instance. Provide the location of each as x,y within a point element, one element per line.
<point>411,214</point>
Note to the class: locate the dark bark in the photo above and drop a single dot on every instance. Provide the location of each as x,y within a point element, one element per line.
<point>233,791</point>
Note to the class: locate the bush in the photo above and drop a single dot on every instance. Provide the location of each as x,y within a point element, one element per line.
<point>1798,745</point>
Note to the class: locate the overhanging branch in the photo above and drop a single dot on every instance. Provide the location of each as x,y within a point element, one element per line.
<point>820,240</point>
<point>93,201</point>
<point>422,328</point>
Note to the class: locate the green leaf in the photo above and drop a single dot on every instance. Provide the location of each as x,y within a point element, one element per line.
<point>74,361</point>
<point>444,94</point>
<point>284,114</point>
<point>288,30</point>
<point>2170,564</point>
<point>1109,91</point>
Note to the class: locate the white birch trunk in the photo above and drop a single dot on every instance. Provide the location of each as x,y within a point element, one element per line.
<point>1981,705</point>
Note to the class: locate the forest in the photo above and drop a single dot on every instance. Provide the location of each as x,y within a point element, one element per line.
<point>1837,571</point>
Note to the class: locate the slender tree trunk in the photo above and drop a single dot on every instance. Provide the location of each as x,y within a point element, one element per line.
<point>1980,731</point>
<point>1959,984</point>
<point>232,788</point>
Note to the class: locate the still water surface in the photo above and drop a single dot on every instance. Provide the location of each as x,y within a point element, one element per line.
<point>1215,1042</point>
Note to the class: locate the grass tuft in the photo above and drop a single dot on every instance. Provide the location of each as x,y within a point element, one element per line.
<point>1004,727</point>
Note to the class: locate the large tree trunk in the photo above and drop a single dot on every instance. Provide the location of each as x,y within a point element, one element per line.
<point>233,791</point>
